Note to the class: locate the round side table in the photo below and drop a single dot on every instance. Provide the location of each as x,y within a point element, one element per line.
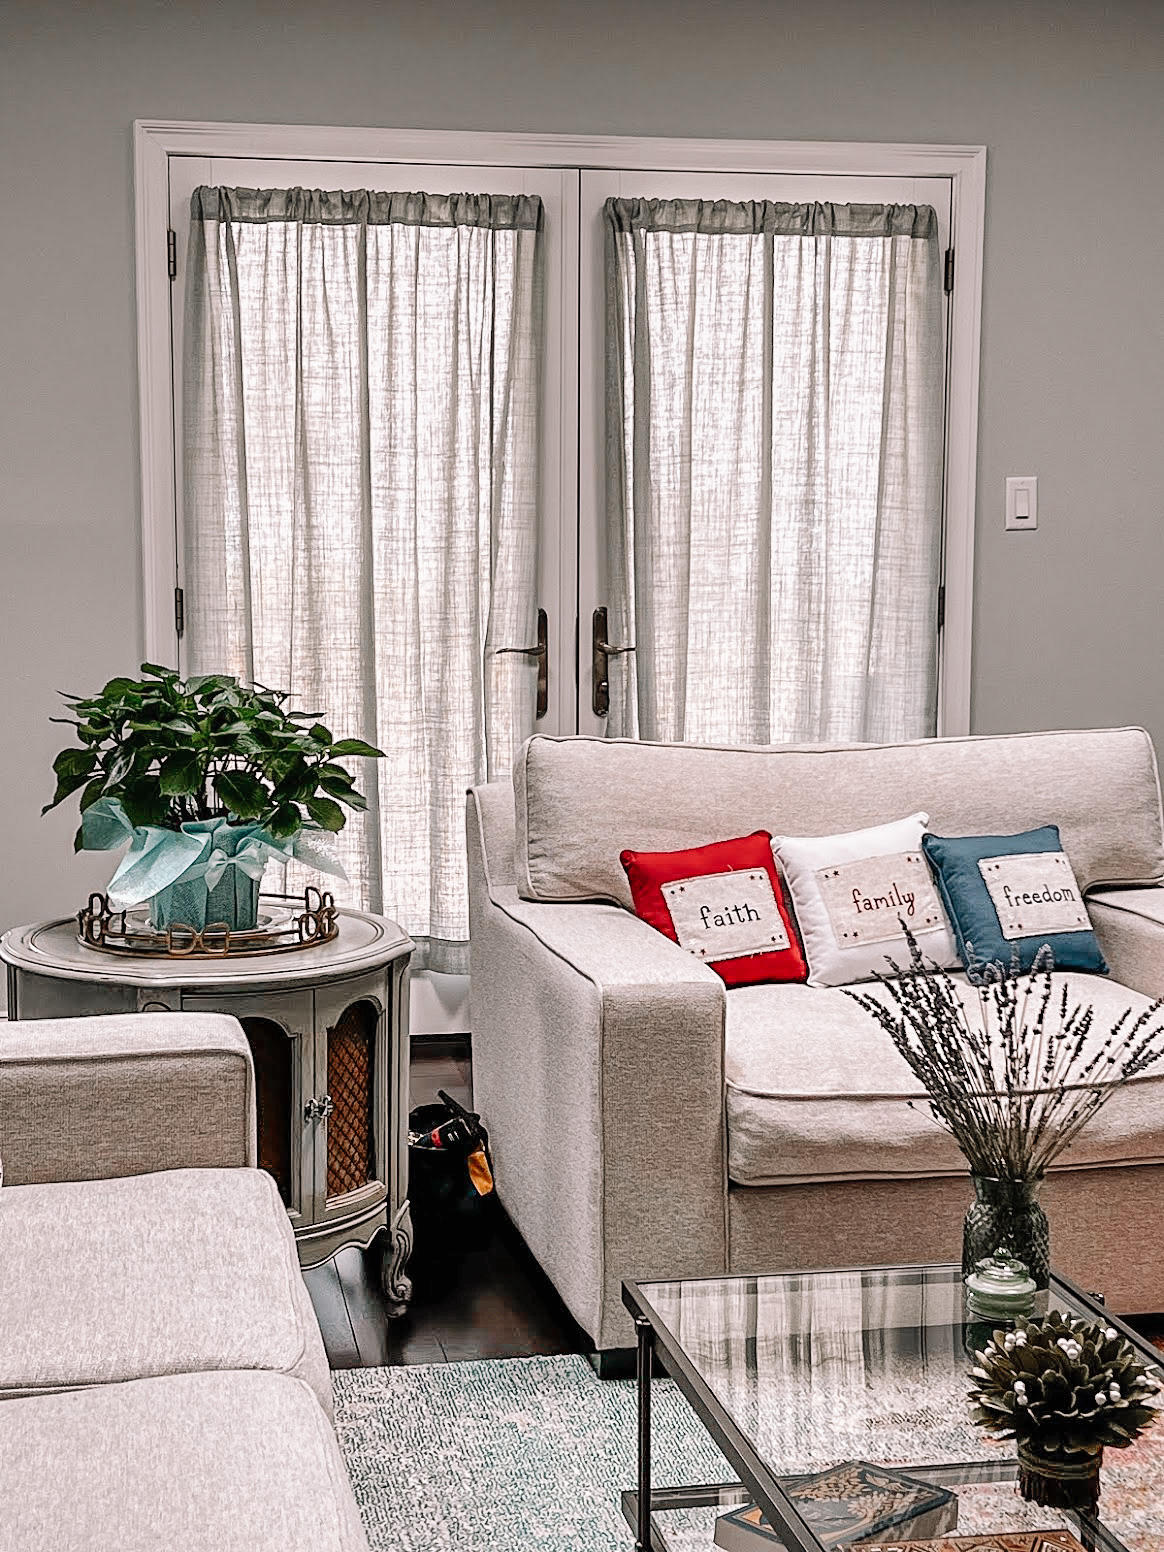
<point>328,1028</point>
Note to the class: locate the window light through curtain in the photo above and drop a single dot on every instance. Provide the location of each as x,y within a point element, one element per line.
<point>361,452</point>
<point>774,469</point>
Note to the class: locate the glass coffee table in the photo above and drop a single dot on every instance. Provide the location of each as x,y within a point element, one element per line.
<point>795,1373</point>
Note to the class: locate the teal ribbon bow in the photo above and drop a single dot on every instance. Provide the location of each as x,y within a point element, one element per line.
<point>202,848</point>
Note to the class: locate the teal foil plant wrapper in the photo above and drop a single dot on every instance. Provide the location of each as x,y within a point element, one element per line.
<point>206,871</point>
<point>207,780</point>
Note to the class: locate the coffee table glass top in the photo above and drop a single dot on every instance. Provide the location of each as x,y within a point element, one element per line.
<point>814,1369</point>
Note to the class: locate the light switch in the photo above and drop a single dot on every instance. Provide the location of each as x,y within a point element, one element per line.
<point>1022,501</point>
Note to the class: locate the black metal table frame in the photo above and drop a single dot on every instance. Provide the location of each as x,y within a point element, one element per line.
<point>758,1483</point>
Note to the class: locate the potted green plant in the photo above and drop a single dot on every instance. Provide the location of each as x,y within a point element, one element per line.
<point>208,779</point>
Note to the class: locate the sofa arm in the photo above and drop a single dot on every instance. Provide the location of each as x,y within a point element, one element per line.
<point>1129,924</point>
<point>598,1069</point>
<point>124,1094</point>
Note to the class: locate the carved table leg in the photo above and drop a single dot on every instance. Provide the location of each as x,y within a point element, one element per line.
<point>397,1248</point>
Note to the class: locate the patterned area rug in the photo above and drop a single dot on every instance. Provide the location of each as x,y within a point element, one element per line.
<point>506,1454</point>
<point>522,1453</point>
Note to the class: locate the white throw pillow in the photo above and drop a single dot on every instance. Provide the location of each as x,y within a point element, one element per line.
<point>852,891</point>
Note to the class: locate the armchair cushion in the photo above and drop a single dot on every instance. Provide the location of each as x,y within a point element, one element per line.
<point>232,1462</point>
<point>816,1091</point>
<point>110,1280</point>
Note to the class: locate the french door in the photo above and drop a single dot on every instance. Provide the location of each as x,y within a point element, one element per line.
<point>557,538</point>
<point>573,585</point>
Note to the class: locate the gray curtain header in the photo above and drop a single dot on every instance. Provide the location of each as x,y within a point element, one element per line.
<point>762,217</point>
<point>365,207</point>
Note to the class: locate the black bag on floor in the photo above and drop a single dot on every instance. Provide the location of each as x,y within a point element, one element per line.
<point>450,1185</point>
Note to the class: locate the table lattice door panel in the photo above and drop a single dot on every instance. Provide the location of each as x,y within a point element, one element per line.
<point>351,1158</point>
<point>351,1085</point>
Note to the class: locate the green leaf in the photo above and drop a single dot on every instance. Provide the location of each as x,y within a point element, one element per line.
<point>328,815</point>
<point>74,762</point>
<point>119,768</point>
<point>92,792</point>
<point>204,686</point>
<point>321,734</point>
<point>285,821</point>
<point>66,786</point>
<point>340,786</point>
<point>298,782</point>
<point>180,774</point>
<point>156,671</point>
<point>144,804</point>
<point>356,746</point>
<point>244,795</point>
<point>118,687</point>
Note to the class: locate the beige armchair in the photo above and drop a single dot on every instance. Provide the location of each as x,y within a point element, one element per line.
<point>648,1123</point>
<point>155,1331</point>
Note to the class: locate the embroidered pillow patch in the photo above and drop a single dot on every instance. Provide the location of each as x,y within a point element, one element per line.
<point>1034,892</point>
<point>726,915</point>
<point>868,900</point>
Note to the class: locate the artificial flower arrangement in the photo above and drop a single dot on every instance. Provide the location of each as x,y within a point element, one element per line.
<point>1063,1389</point>
<point>208,780</point>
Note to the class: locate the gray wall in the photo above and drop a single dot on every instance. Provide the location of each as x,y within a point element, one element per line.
<point>1067,98</point>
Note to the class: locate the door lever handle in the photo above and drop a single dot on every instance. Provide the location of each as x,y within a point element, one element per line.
<point>542,652</point>
<point>601,652</point>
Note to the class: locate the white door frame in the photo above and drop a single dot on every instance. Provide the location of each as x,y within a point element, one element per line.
<point>155,141</point>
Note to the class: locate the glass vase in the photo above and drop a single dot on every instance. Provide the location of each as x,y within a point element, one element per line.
<point>1006,1216</point>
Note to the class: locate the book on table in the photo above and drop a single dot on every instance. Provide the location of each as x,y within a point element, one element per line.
<point>849,1503</point>
<point>1000,1541</point>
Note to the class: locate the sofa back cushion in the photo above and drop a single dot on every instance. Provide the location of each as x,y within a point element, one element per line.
<point>579,802</point>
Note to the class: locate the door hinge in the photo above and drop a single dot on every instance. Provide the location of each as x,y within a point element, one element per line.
<point>172,253</point>
<point>949,281</point>
<point>942,607</point>
<point>179,611</point>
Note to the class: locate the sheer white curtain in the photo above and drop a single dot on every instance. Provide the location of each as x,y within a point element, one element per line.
<point>775,384</point>
<point>361,454</point>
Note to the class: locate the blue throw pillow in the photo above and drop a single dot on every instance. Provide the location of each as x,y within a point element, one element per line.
<point>1004,893</point>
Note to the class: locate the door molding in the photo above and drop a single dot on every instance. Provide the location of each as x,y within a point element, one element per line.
<point>155,141</point>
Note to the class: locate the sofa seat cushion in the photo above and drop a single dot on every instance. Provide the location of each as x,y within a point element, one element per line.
<point>817,1091</point>
<point>227,1462</point>
<point>109,1280</point>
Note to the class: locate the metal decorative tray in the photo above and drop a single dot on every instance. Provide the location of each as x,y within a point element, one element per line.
<point>286,923</point>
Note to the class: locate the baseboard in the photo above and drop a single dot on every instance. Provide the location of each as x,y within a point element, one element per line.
<point>455,1047</point>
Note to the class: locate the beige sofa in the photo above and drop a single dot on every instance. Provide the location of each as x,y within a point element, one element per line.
<point>647,1122</point>
<point>163,1381</point>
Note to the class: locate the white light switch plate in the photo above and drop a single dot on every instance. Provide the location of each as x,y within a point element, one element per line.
<point>1022,501</point>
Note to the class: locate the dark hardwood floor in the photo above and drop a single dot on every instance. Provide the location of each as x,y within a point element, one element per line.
<point>493,1302</point>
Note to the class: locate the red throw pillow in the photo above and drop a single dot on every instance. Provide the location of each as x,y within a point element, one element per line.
<point>725,903</point>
